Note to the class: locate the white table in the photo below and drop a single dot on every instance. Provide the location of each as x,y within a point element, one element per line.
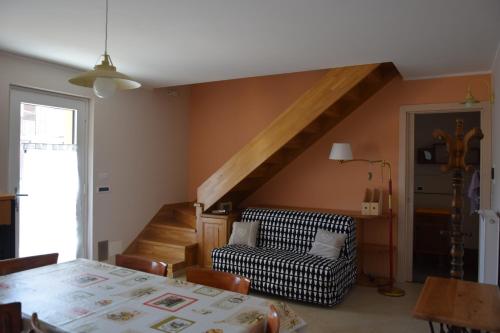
<point>85,296</point>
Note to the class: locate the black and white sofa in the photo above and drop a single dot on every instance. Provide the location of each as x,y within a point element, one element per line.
<point>280,263</point>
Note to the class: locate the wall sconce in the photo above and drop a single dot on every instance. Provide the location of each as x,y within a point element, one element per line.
<point>470,100</point>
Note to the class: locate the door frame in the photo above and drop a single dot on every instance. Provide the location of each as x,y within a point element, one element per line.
<point>83,139</point>
<point>406,172</point>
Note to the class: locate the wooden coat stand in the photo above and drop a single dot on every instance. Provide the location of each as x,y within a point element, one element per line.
<point>458,148</point>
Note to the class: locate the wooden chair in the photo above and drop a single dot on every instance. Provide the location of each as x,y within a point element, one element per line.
<point>216,279</point>
<point>273,320</point>
<point>35,324</point>
<point>10,318</point>
<point>141,264</point>
<point>9,266</point>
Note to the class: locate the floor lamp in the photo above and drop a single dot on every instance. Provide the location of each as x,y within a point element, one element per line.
<point>342,153</point>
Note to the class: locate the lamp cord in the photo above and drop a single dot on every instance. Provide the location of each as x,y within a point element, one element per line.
<point>106,31</point>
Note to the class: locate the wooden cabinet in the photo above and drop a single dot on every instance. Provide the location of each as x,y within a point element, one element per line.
<point>430,231</point>
<point>7,227</point>
<point>213,231</point>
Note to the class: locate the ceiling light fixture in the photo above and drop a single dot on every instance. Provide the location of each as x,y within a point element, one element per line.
<point>104,78</point>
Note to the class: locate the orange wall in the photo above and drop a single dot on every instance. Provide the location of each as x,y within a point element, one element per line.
<point>225,115</point>
<point>373,131</point>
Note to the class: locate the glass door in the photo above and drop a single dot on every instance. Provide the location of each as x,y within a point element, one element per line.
<point>48,145</point>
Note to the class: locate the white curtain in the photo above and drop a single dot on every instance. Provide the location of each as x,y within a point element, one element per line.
<point>49,214</point>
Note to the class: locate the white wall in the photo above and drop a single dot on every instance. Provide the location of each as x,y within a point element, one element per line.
<point>139,140</point>
<point>496,132</point>
<point>495,197</point>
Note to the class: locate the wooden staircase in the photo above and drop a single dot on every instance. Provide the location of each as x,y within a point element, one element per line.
<point>169,237</point>
<point>317,111</point>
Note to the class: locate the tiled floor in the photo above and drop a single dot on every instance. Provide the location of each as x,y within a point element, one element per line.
<point>365,311</point>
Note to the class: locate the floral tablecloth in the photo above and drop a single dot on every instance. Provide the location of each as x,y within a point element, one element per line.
<point>85,296</point>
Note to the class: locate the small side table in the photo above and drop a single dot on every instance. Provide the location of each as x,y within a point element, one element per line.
<point>459,305</point>
<point>367,248</point>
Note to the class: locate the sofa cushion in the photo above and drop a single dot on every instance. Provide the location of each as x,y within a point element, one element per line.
<point>244,233</point>
<point>328,244</point>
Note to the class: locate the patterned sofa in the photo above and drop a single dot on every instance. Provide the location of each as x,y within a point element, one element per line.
<point>280,263</point>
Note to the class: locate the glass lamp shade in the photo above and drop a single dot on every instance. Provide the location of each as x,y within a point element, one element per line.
<point>104,87</point>
<point>341,152</point>
<point>104,79</point>
<point>470,100</point>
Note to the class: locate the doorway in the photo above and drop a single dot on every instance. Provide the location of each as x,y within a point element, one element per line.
<point>409,195</point>
<point>48,172</point>
<point>433,196</point>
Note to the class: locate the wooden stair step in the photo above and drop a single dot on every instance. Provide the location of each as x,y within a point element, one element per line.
<point>165,239</point>
<point>312,128</point>
<point>185,214</point>
<point>175,265</point>
<point>170,236</point>
<point>172,224</point>
<point>160,249</point>
<point>169,231</point>
<point>258,173</point>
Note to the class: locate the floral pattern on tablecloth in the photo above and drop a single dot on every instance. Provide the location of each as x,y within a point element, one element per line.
<point>85,296</point>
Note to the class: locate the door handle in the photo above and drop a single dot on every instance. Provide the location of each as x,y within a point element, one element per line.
<point>17,195</point>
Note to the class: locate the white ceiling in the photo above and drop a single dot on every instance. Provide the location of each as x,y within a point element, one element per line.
<point>171,42</point>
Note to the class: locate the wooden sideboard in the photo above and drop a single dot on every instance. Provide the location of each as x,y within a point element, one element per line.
<point>7,226</point>
<point>213,231</point>
<point>431,227</point>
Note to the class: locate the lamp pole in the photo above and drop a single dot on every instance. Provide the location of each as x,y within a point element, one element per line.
<point>390,289</point>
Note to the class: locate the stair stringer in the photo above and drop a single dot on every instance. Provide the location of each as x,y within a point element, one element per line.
<point>338,93</point>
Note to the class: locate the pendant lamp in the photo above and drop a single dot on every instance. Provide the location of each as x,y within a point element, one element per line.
<point>104,78</point>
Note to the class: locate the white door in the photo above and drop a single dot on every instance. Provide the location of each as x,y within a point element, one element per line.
<point>48,172</point>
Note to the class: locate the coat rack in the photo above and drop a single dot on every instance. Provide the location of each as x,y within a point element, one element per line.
<point>457,148</point>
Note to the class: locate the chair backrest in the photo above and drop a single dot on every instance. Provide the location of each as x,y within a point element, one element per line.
<point>9,266</point>
<point>10,318</point>
<point>220,280</point>
<point>35,324</point>
<point>295,230</point>
<point>141,264</point>
<point>273,320</point>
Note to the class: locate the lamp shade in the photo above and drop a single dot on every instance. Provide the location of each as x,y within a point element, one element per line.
<point>341,152</point>
<point>108,79</point>
<point>470,100</point>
